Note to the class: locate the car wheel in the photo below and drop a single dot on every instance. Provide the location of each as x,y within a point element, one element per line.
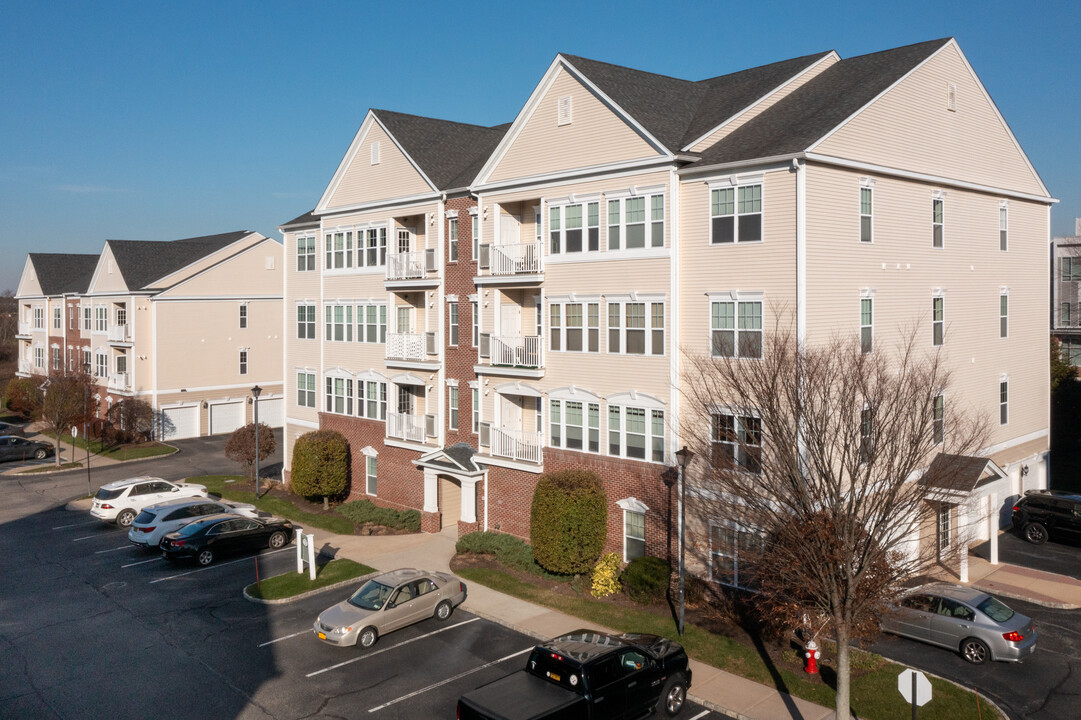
<point>40,453</point>
<point>443,610</point>
<point>205,557</point>
<point>277,541</point>
<point>673,696</point>
<point>1036,533</point>
<point>975,651</point>
<point>367,637</point>
<point>125,518</point>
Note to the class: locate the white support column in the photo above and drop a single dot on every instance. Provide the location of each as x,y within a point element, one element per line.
<point>963,518</point>
<point>431,491</point>
<point>992,525</point>
<point>469,499</point>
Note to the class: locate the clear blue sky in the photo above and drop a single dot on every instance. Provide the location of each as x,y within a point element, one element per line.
<point>154,120</point>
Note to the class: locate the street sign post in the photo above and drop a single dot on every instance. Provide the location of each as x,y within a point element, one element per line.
<point>915,688</point>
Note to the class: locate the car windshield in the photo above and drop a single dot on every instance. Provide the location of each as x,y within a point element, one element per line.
<point>104,494</point>
<point>995,609</point>
<point>371,596</point>
<point>145,516</point>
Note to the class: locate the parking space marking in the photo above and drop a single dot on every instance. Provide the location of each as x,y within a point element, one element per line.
<point>382,650</point>
<point>122,547</point>
<point>441,683</point>
<point>271,642</point>
<point>142,562</point>
<point>218,565</point>
<point>701,715</point>
<point>65,527</point>
<point>87,537</point>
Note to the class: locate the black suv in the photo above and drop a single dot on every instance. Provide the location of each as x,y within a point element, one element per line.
<point>1043,512</point>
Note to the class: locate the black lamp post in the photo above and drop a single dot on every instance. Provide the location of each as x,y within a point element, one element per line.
<point>255,393</point>
<point>683,457</point>
<point>86,438</point>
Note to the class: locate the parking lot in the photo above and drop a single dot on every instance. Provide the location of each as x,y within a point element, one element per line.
<point>92,626</point>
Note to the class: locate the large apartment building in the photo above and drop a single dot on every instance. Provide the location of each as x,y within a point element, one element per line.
<point>474,306</point>
<point>1066,293</point>
<point>188,326</point>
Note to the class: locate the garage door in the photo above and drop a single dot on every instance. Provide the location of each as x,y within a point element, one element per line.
<point>181,422</point>
<point>272,411</point>
<point>450,502</point>
<point>226,417</point>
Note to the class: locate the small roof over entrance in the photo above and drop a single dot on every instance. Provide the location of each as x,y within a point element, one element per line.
<point>457,459</point>
<point>960,475</point>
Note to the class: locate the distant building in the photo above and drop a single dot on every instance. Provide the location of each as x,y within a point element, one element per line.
<point>1066,293</point>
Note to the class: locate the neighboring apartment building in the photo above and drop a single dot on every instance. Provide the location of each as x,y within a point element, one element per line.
<point>188,326</point>
<point>1066,293</point>
<point>468,330</point>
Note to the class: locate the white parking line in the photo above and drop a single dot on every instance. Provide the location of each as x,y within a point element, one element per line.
<point>441,683</point>
<point>701,715</point>
<point>271,642</point>
<point>122,547</point>
<point>382,650</point>
<point>65,527</point>
<point>87,537</point>
<point>142,562</point>
<point>218,565</point>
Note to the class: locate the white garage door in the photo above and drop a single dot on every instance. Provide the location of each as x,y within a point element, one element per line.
<point>226,417</point>
<point>272,412</point>
<point>181,422</point>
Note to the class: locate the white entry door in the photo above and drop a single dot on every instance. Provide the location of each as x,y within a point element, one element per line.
<point>510,320</point>
<point>509,229</point>
<point>510,413</point>
<point>226,417</point>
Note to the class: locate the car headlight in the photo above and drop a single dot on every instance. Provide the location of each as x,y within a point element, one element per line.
<point>340,630</point>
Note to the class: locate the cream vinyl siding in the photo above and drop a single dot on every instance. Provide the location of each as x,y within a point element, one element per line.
<point>29,285</point>
<point>911,129</point>
<point>223,255</point>
<point>245,275</point>
<point>393,177</point>
<point>105,281</point>
<point>383,215</point>
<point>595,136</point>
<point>765,104</point>
<point>768,267</point>
<point>903,270</point>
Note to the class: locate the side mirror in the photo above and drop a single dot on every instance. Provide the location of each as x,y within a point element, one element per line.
<point>176,489</point>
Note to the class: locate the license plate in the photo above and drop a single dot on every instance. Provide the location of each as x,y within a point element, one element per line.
<point>554,676</point>
<point>322,636</point>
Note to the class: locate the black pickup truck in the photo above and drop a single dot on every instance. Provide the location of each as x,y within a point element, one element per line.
<point>587,675</point>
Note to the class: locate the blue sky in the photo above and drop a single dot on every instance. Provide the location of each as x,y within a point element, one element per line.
<point>153,120</point>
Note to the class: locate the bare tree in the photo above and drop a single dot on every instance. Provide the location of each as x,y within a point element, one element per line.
<point>65,403</point>
<point>821,453</point>
<point>133,418</point>
<point>240,447</point>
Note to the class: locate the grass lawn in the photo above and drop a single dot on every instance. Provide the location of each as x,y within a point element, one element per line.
<point>294,583</point>
<point>117,452</point>
<point>874,694</point>
<point>282,507</point>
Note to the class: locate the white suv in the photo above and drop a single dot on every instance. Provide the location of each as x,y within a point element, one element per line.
<point>156,521</point>
<point>122,500</point>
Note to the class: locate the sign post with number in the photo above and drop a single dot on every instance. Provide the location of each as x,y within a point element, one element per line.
<point>915,688</point>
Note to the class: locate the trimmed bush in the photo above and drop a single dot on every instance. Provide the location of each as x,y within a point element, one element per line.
<point>606,575</point>
<point>365,511</point>
<point>320,465</point>
<point>22,396</point>
<point>568,522</point>
<point>510,551</point>
<point>646,579</point>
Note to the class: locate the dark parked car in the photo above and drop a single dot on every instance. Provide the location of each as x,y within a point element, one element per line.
<point>587,675</point>
<point>19,448</point>
<point>7,428</point>
<point>216,535</point>
<point>1041,514</point>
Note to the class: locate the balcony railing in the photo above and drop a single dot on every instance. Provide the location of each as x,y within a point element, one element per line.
<point>410,265</point>
<point>523,259</point>
<point>118,380</point>
<point>405,427</point>
<point>25,366</point>
<point>517,351</point>
<point>410,346</point>
<point>119,333</point>
<point>517,445</point>
<point>24,328</point>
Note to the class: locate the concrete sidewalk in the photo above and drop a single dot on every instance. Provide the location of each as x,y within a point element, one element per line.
<point>1020,583</point>
<point>68,453</point>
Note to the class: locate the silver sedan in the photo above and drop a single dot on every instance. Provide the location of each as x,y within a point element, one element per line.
<point>388,602</point>
<point>965,619</point>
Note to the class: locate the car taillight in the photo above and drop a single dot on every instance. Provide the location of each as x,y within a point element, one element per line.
<point>147,529</point>
<point>461,587</point>
<point>178,543</point>
<point>1016,508</point>
<point>1013,636</point>
<point>106,506</point>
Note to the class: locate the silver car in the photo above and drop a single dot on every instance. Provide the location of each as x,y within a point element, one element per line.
<point>388,602</point>
<point>964,619</point>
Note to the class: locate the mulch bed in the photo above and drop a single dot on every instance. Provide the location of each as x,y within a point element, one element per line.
<point>275,489</point>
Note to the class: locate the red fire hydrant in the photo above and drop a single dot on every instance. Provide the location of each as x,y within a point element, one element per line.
<point>812,654</point>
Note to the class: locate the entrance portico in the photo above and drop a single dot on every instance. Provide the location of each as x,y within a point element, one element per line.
<point>449,469</point>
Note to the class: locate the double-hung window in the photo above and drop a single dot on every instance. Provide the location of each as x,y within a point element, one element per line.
<point>944,538</point>
<point>636,432</point>
<point>101,318</point>
<point>736,214</point>
<point>736,442</point>
<point>57,323</point>
<point>732,549</point>
<point>39,318</point>
<point>339,323</point>
<point>374,253</point>
<point>370,475</point>
<point>1070,268</point>
<point>1003,227</point>
<point>102,365</point>
<point>452,231</point>
<point>1064,314</point>
<point>575,228</point>
<point>736,328</point>
<point>475,222</point>
<point>372,399</point>
<point>937,239</point>
<point>475,318</point>
<point>306,389</point>
<point>1003,402</point>
<point>634,535</point>
<point>306,322</point>
<point>866,216</point>
<point>1004,315</point>
<point>938,320</point>
<point>475,409</point>
<point>575,425</point>
<point>39,357</point>
<point>636,222</point>
<point>243,362</point>
<point>86,317</point>
<point>867,434</point>
<point>574,326</point>
<point>636,327</point>
<point>453,323</point>
<point>867,325</point>
<point>243,315</point>
<point>56,358</point>
<point>305,253</point>
<point>453,395</point>
<point>339,395</point>
<point>339,249</point>
<point>372,323</point>
<point>938,419</point>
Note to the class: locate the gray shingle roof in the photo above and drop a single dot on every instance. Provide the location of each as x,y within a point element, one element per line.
<point>449,153</point>
<point>142,262</point>
<point>304,220</point>
<point>60,273</point>
<point>810,112</point>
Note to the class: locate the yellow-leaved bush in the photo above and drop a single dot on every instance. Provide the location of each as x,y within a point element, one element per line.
<point>606,575</point>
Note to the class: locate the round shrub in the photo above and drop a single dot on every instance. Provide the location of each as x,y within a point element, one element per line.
<point>568,522</point>
<point>606,575</point>
<point>646,579</point>
<point>320,465</point>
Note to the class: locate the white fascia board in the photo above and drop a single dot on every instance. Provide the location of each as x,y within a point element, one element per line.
<point>98,271</point>
<point>398,203</point>
<point>562,177</point>
<point>764,164</point>
<point>347,159</point>
<point>831,54</point>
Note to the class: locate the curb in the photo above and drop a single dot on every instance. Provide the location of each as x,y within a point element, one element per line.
<point>310,593</point>
<point>1025,598</point>
<point>1002,713</point>
<point>18,472</point>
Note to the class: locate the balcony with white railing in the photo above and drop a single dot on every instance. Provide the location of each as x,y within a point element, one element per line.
<point>26,367</point>
<point>24,329</point>
<point>520,352</point>
<point>517,445</point>
<point>119,381</point>
<point>119,334</point>
<point>412,269</point>
<point>409,428</point>
<point>406,346</point>
<point>518,259</point>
